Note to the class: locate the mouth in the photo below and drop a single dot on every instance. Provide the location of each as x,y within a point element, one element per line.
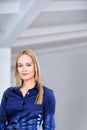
<point>24,74</point>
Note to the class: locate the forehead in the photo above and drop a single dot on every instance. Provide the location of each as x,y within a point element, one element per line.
<point>24,58</point>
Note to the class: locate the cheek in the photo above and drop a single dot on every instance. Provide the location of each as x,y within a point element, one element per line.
<point>19,71</point>
<point>31,69</point>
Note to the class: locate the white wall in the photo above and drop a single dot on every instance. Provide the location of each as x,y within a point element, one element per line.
<point>65,72</point>
<point>5,68</point>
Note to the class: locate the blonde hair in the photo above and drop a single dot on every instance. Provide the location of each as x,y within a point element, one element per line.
<point>38,78</point>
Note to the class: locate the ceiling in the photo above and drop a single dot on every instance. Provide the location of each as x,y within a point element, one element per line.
<point>42,24</point>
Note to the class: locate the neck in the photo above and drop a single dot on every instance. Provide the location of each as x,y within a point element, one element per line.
<point>29,84</point>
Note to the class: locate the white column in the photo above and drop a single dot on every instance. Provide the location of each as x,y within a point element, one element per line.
<point>5,69</point>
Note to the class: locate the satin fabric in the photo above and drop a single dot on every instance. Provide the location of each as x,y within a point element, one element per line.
<point>23,113</point>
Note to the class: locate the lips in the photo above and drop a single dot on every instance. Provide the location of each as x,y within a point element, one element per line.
<point>25,74</point>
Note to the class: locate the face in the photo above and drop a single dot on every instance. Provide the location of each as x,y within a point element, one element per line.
<point>26,67</point>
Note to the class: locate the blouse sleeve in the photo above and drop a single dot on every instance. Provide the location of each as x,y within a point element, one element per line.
<point>49,111</point>
<point>3,112</point>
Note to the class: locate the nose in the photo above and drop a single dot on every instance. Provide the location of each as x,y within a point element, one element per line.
<point>24,68</point>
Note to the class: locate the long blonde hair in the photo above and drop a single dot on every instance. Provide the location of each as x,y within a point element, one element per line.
<point>38,78</point>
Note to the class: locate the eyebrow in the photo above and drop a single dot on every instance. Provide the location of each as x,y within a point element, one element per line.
<point>25,63</point>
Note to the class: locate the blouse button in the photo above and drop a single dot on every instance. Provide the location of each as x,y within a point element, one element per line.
<point>28,93</point>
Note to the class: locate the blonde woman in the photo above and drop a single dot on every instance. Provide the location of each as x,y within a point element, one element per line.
<point>29,105</point>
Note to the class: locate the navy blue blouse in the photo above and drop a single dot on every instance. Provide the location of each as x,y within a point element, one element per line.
<point>22,113</point>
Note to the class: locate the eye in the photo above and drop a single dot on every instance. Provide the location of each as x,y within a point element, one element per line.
<point>28,64</point>
<point>19,65</point>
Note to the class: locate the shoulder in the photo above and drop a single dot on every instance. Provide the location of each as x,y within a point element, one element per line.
<point>46,90</point>
<point>9,90</point>
<point>49,99</point>
<point>48,93</point>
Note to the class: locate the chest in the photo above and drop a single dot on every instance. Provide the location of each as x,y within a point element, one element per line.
<point>17,103</point>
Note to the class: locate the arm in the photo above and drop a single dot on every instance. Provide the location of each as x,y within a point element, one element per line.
<point>3,112</point>
<point>49,111</point>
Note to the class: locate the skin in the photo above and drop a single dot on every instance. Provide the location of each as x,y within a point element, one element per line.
<point>26,71</point>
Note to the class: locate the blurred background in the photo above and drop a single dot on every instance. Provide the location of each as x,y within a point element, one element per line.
<point>57,31</point>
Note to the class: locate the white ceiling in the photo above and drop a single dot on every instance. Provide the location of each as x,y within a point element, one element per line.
<point>42,23</point>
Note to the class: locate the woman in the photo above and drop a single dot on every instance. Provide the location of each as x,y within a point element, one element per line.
<point>29,105</point>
